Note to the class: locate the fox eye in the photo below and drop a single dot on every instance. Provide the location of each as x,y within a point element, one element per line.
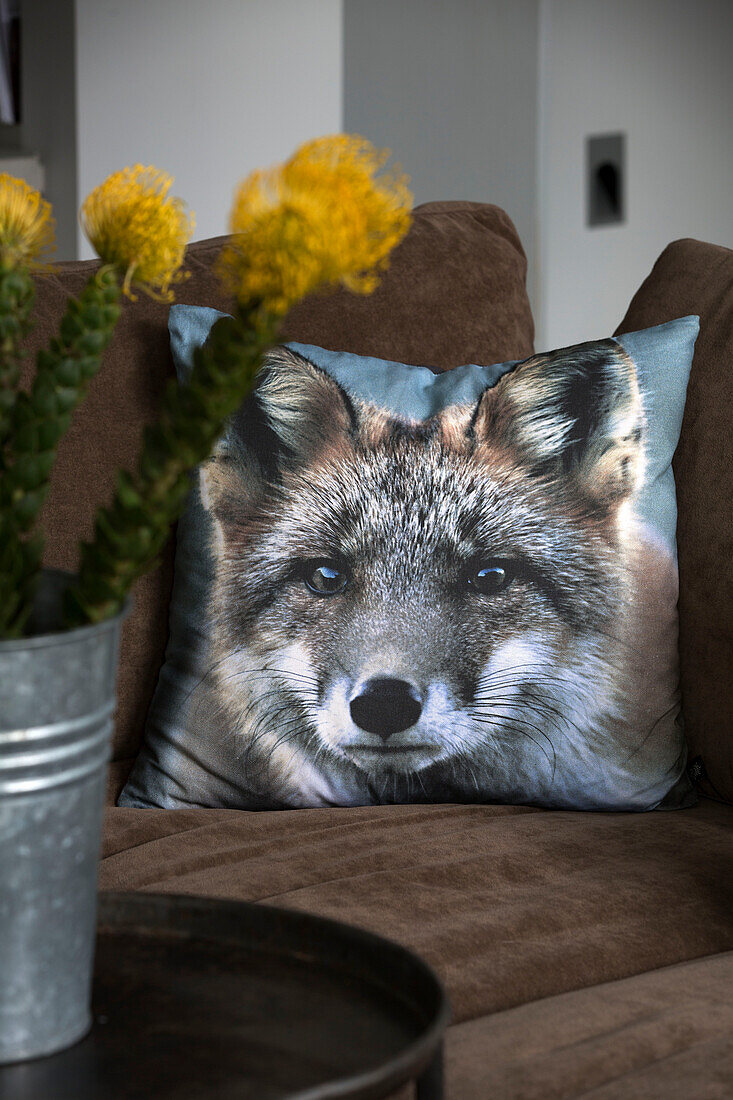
<point>488,577</point>
<point>324,577</point>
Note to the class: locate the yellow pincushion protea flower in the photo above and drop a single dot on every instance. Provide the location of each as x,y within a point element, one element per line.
<point>133,224</point>
<point>26,225</point>
<point>326,216</point>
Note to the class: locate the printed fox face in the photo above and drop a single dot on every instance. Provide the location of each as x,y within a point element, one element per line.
<point>439,609</point>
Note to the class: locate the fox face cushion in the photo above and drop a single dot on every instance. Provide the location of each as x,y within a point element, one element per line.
<point>396,586</point>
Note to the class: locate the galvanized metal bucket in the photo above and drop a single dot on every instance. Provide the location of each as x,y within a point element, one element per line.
<point>57,697</point>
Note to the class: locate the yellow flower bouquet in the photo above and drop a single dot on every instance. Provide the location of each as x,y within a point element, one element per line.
<point>329,215</point>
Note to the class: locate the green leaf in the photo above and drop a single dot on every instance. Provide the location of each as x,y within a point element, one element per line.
<point>92,342</point>
<point>126,491</point>
<point>67,372</point>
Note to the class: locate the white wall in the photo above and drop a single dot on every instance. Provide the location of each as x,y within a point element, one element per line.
<point>451,87</point>
<point>661,71</point>
<point>480,99</point>
<point>48,104</point>
<point>206,91</point>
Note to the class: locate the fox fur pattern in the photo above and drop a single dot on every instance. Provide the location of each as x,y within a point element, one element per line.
<point>456,609</point>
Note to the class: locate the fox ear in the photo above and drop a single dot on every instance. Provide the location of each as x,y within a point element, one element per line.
<point>296,409</point>
<point>303,406</point>
<point>577,413</point>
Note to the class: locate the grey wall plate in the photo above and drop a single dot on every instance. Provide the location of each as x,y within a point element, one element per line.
<point>605,167</point>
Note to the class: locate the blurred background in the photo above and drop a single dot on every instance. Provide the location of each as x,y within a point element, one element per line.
<point>603,127</point>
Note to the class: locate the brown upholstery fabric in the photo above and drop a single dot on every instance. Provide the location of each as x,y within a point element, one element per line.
<point>509,904</point>
<point>691,277</point>
<point>667,1034</point>
<point>454,293</point>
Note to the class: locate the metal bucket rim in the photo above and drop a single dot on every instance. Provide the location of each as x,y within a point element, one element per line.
<point>64,637</point>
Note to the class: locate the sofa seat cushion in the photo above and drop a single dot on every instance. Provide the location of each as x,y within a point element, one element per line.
<point>509,904</point>
<point>667,1034</point>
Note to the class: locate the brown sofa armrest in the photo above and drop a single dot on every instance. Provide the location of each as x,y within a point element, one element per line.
<point>693,277</point>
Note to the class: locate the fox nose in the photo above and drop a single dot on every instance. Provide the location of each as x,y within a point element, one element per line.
<point>385,706</point>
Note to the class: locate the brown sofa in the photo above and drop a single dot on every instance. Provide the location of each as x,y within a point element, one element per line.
<point>585,954</point>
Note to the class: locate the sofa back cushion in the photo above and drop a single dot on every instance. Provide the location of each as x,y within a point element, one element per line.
<point>454,293</point>
<point>693,277</point>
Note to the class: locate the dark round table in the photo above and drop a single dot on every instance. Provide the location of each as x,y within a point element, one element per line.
<point>195,999</point>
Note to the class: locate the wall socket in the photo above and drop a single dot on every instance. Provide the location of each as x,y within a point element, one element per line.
<point>605,168</point>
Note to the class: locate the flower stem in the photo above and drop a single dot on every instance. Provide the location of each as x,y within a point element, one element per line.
<point>17,294</point>
<point>38,422</point>
<point>130,534</point>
